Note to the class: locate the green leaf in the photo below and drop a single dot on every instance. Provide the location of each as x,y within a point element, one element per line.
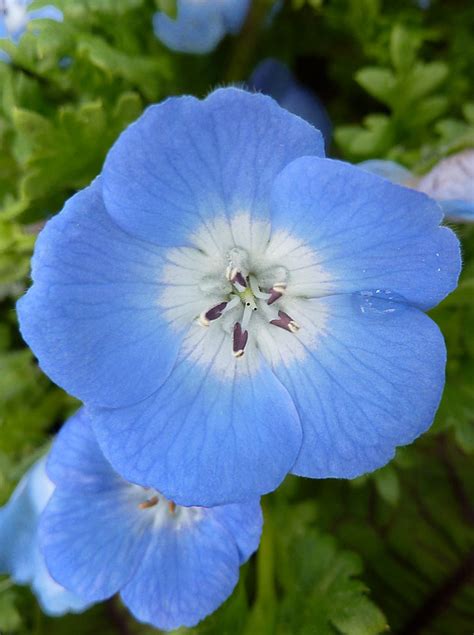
<point>387,484</point>
<point>419,557</point>
<point>404,46</point>
<point>143,72</point>
<point>167,6</point>
<point>322,592</point>
<point>10,619</point>
<point>378,82</point>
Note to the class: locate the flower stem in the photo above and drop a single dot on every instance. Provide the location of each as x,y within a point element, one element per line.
<point>245,44</point>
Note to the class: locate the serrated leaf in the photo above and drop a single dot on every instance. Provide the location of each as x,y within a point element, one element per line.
<point>322,592</point>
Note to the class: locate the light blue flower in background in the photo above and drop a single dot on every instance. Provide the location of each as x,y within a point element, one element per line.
<point>450,182</point>
<point>231,306</point>
<point>273,78</point>
<point>14,17</point>
<point>20,556</point>
<point>200,24</point>
<point>101,535</point>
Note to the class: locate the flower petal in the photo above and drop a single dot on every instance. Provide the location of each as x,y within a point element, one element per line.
<point>244,522</point>
<point>197,28</point>
<point>92,537</point>
<point>76,459</point>
<point>20,556</point>
<point>220,430</point>
<point>366,233</point>
<point>185,574</point>
<point>187,161</point>
<point>92,317</point>
<point>370,380</point>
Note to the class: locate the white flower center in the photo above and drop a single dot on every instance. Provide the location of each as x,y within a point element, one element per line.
<point>160,510</point>
<point>242,285</point>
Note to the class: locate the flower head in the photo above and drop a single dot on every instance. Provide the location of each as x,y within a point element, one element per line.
<point>102,535</point>
<point>231,308</point>
<point>273,78</point>
<point>20,555</point>
<point>14,17</point>
<point>200,24</point>
<point>450,182</point>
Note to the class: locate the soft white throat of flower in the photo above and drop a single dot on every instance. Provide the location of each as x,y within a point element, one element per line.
<point>159,510</point>
<point>242,285</point>
<point>14,15</point>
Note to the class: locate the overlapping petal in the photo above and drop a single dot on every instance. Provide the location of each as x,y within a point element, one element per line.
<point>186,162</point>
<point>92,316</point>
<point>367,233</point>
<point>219,429</point>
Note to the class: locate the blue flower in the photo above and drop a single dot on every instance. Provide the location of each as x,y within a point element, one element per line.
<point>450,182</point>
<point>231,308</point>
<point>101,535</point>
<point>14,17</point>
<point>20,555</point>
<point>200,24</point>
<point>273,78</point>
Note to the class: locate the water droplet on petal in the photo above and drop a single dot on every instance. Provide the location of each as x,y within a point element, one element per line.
<point>378,302</point>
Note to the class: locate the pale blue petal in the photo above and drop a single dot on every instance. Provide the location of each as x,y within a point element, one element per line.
<point>371,381</point>
<point>273,78</point>
<point>388,170</point>
<point>197,28</point>
<point>75,458</point>
<point>92,316</point>
<point>210,435</point>
<point>92,533</point>
<point>367,233</point>
<point>46,13</point>
<point>20,556</point>
<point>187,161</point>
<point>244,522</point>
<point>185,574</point>
<point>458,211</point>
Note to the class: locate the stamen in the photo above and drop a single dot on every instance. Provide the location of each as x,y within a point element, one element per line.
<point>274,296</point>
<point>151,502</point>
<point>286,322</point>
<point>171,507</point>
<point>239,340</point>
<point>212,314</point>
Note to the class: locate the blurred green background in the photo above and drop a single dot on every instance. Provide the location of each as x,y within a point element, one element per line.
<point>393,550</point>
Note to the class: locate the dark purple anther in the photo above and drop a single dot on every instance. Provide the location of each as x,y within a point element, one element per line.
<point>239,340</point>
<point>285,322</point>
<point>239,278</point>
<point>215,312</point>
<point>274,296</point>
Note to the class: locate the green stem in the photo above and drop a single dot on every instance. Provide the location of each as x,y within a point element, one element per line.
<point>245,44</point>
<point>263,614</point>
